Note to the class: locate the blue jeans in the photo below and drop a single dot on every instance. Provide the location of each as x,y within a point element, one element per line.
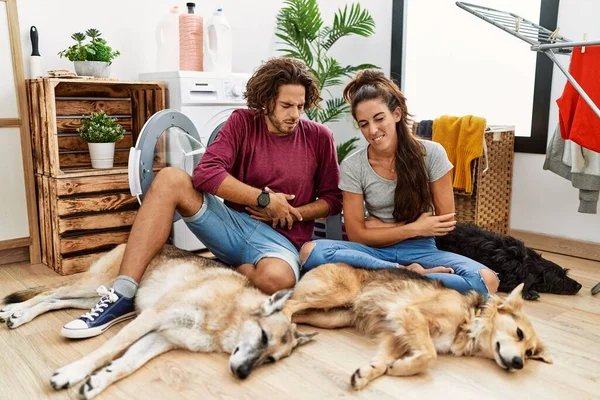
<point>236,239</point>
<point>423,251</point>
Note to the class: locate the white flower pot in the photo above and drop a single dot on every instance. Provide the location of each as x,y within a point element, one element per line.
<point>102,154</point>
<point>98,69</point>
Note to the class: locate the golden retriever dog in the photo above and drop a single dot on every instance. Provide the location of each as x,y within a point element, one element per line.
<point>414,319</point>
<point>183,302</point>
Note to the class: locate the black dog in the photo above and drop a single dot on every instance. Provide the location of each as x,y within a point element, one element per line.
<point>509,257</point>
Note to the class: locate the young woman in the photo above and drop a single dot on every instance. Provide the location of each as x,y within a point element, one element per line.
<point>405,185</point>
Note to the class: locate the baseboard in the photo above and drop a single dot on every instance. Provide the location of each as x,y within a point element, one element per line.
<point>14,243</point>
<point>14,255</point>
<point>560,245</point>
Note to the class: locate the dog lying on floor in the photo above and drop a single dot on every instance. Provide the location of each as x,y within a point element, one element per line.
<point>414,319</point>
<point>183,301</point>
<point>513,262</point>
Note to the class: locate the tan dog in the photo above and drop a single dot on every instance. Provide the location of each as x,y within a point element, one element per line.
<point>183,301</point>
<point>414,318</point>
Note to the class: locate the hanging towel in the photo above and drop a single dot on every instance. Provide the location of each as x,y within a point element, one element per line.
<point>424,129</point>
<point>462,138</point>
<point>578,122</point>
<point>577,164</point>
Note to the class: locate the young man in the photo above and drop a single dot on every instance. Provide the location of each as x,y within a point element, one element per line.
<point>276,172</point>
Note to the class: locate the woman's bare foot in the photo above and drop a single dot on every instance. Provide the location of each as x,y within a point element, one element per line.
<point>418,268</point>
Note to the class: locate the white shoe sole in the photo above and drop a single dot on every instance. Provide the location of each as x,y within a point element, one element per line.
<point>91,332</point>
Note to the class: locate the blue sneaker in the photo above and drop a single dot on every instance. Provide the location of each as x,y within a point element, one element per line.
<point>111,309</point>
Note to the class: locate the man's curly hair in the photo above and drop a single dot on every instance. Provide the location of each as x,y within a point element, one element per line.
<point>263,86</point>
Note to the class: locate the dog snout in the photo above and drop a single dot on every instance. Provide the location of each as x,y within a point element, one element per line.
<point>242,372</point>
<point>517,363</point>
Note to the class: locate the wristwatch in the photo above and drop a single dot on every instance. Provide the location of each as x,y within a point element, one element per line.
<point>263,199</point>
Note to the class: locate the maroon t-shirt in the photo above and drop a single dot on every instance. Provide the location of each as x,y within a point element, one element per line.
<point>303,163</point>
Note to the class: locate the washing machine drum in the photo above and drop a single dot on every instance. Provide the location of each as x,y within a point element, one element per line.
<point>167,139</point>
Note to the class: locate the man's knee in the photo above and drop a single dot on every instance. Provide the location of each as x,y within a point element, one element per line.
<point>273,274</point>
<point>490,279</point>
<point>174,186</point>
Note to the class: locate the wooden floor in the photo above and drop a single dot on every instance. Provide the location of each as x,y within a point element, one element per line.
<point>570,326</point>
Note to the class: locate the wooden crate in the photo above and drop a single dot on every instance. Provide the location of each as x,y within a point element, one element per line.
<point>57,106</point>
<point>80,218</point>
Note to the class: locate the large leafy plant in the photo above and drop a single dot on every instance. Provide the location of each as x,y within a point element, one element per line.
<point>306,38</point>
<point>100,128</point>
<point>95,50</point>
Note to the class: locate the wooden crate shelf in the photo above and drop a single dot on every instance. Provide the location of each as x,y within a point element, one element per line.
<point>83,217</point>
<point>83,211</point>
<point>57,107</point>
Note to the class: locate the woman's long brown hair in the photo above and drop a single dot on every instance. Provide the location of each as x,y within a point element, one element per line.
<point>412,196</point>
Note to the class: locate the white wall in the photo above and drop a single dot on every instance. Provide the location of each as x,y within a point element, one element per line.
<point>542,201</point>
<point>129,26</point>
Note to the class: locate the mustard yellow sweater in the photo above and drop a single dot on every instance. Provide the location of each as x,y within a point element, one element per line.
<point>462,138</point>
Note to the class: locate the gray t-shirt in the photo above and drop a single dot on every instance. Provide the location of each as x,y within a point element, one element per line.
<point>359,177</point>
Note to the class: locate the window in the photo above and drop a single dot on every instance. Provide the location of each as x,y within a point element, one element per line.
<point>451,62</point>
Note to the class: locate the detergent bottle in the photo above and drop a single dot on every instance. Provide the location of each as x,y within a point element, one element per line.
<point>218,44</point>
<point>167,41</point>
<point>191,40</point>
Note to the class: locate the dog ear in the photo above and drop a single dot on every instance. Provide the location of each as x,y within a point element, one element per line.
<point>301,338</point>
<point>540,353</point>
<point>275,302</point>
<point>515,298</point>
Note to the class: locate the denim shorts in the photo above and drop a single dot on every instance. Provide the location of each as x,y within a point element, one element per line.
<point>237,239</point>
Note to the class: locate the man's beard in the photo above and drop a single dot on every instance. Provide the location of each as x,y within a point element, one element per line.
<point>279,126</point>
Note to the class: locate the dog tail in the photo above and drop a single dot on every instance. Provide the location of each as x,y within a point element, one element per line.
<point>22,295</point>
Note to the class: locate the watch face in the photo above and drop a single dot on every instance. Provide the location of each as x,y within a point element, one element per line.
<point>263,199</point>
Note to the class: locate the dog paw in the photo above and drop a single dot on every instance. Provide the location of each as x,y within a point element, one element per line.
<point>531,295</point>
<point>17,319</point>
<point>67,376</point>
<point>5,313</point>
<point>358,381</point>
<point>95,384</point>
<point>88,390</point>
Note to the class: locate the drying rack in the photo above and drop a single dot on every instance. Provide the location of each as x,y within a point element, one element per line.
<point>541,39</point>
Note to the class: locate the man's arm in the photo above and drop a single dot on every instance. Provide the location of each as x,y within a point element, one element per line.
<point>316,209</point>
<point>212,175</point>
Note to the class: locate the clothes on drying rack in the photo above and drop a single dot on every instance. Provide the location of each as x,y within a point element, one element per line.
<point>424,129</point>
<point>462,138</point>
<point>578,122</point>
<point>577,164</point>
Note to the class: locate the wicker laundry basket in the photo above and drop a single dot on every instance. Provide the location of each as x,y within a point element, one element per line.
<point>488,206</point>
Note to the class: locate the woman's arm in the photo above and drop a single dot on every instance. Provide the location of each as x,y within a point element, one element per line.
<point>354,220</point>
<point>443,195</point>
<point>376,233</point>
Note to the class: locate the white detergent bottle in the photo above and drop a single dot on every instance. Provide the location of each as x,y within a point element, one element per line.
<point>167,41</point>
<point>218,45</point>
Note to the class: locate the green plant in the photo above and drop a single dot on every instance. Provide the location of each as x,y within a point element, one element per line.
<point>345,148</point>
<point>300,27</point>
<point>100,128</point>
<point>95,50</point>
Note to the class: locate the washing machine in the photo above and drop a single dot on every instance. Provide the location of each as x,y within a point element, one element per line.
<point>198,104</point>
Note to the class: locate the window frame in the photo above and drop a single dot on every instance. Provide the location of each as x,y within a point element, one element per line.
<point>536,143</point>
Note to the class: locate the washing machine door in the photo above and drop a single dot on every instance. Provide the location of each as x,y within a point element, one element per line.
<point>167,139</point>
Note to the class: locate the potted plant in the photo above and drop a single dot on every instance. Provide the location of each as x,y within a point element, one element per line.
<point>101,132</point>
<point>93,58</point>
